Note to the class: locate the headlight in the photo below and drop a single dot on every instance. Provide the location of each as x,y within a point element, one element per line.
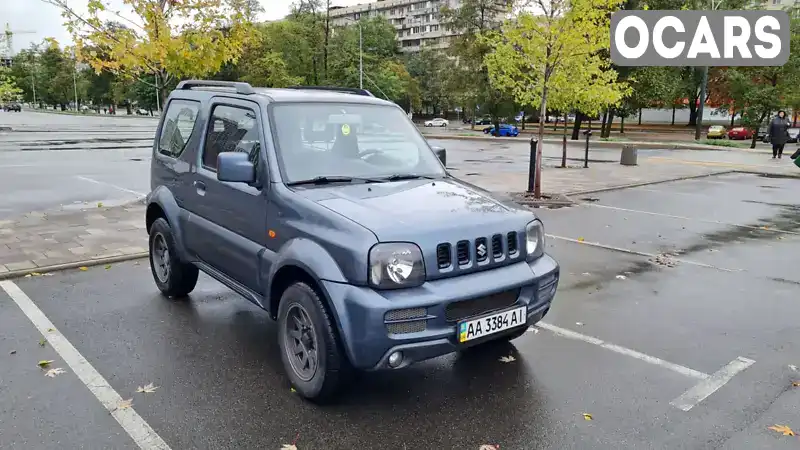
<point>534,239</point>
<point>396,265</point>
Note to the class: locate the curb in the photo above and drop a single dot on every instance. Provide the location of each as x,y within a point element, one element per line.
<point>648,183</point>
<point>72,265</point>
<point>595,144</point>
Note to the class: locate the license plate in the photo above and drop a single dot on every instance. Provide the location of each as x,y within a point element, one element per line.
<point>495,323</point>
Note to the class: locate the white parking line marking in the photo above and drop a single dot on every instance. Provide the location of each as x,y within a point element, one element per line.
<point>622,350</point>
<point>616,208</point>
<point>141,433</point>
<point>703,389</point>
<point>91,180</point>
<point>634,252</point>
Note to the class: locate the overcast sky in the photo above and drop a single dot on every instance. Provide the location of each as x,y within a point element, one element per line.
<point>46,21</point>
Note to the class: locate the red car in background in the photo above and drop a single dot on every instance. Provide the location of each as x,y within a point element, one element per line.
<point>740,133</point>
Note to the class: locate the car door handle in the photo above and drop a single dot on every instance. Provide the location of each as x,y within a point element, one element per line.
<point>201,187</point>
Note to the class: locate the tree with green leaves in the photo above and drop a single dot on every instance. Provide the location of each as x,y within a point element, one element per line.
<point>473,20</point>
<point>538,54</point>
<point>8,86</point>
<point>431,69</point>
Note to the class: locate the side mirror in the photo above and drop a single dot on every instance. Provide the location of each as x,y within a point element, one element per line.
<point>235,167</point>
<point>441,153</point>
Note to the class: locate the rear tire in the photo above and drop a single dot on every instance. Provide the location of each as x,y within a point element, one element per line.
<point>174,278</point>
<point>309,344</point>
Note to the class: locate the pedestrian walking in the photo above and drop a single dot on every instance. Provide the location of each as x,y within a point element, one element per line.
<point>778,134</point>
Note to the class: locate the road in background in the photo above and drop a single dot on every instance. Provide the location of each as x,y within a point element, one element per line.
<point>65,161</point>
<point>53,160</point>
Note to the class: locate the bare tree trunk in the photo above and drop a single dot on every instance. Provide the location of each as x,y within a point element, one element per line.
<point>622,125</point>
<point>576,127</point>
<point>673,115</point>
<point>640,116</point>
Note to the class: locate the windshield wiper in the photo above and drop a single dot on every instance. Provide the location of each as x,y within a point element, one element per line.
<point>327,179</point>
<point>407,176</point>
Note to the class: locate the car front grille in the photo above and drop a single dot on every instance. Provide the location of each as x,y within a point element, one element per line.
<point>477,250</point>
<point>479,306</point>
<point>404,321</point>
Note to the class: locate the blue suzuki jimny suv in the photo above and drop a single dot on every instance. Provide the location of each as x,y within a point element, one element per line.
<point>328,209</point>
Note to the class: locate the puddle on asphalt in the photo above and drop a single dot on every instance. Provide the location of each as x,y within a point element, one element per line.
<point>598,278</point>
<point>787,219</point>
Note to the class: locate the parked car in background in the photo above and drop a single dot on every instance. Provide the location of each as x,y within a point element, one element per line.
<point>438,122</point>
<point>505,130</point>
<point>716,132</point>
<point>740,133</point>
<point>484,121</point>
<point>794,135</point>
<point>763,132</point>
<point>15,107</point>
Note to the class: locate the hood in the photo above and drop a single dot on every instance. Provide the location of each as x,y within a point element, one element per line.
<point>418,209</point>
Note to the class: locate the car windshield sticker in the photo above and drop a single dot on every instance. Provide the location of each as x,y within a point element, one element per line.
<point>345,129</point>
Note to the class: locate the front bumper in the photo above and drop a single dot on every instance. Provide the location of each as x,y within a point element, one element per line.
<point>361,312</point>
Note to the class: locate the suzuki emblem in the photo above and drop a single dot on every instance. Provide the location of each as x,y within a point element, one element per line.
<point>481,250</point>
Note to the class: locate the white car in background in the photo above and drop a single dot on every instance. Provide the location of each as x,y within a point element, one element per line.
<point>439,122</point>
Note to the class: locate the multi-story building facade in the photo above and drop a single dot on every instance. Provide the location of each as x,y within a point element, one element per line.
<point>418,22</point>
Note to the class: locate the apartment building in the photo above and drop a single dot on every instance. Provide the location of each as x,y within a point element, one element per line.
<point>417,22</point>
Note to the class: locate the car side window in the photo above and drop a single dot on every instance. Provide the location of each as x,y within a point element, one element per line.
<point>179,123</point>
<point>231,129</point>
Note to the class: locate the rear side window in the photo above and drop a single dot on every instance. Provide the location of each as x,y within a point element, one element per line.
<point>179,122</point>
<point>231,129</point>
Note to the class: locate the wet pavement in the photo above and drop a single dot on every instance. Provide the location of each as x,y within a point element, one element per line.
<point>54,161</point>
<point>675,326</point>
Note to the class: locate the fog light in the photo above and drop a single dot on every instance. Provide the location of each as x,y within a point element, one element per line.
<point>395,359</point>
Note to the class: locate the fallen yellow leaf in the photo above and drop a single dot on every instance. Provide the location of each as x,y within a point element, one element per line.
<point>587,416</point>
<point>292,390</point>
<point>507,359</point>
<point>52,373</point>
<point>580,239</point>
<point>50,330</point>
<point>125,404</point>
<point>45,362</point>
<point>108,266</point>
<point>786,431</point>
<point>99,204</point>
<point>42,342</point>
<point>147,389</point>
<point>288,447</point>
<point>795,383</point>
<point>83,268</point>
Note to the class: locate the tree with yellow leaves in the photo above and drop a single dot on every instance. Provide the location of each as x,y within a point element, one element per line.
<point>556,52</point>
<point>8,87</point>
<point>167,39</point>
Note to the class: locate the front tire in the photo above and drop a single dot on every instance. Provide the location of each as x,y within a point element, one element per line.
<point>173,277</point>
<point>310,349</point>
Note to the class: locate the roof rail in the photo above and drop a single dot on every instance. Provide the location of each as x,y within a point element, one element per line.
<point>241,87</point>
<point>356,91</point>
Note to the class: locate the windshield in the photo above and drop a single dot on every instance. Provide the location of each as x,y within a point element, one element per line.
<point>346,140</point>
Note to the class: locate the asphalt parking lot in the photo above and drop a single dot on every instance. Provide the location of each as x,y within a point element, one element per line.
<point>51,161</point>
<point>674,327</point>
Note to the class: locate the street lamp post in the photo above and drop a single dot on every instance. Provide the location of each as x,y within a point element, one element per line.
<point>75,86</point>
<point>703,89</point>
